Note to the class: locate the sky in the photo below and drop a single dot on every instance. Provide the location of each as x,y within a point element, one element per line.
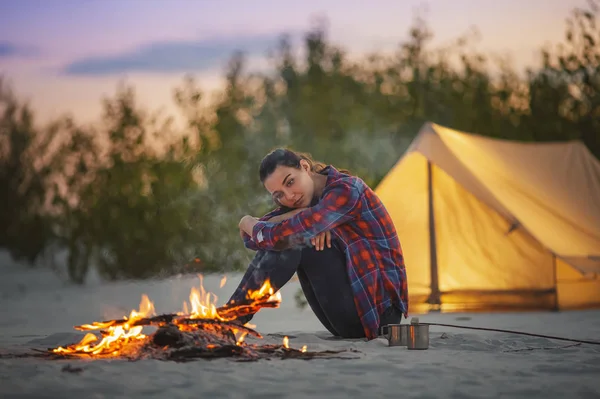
<point>64,56</point>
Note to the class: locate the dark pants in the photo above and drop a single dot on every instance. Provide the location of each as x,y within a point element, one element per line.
<point>324,281</point>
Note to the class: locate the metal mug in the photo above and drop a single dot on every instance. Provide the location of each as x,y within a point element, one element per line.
<point>396,334</point>
<point>417,335</point>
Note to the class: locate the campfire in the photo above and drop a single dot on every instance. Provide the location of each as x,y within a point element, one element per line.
<point>201,330</point>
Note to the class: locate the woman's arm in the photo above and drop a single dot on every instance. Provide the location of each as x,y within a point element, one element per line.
<point>284,216</point>
<point>275,216</point>
<point>247,234</point>
<point>339,205</point>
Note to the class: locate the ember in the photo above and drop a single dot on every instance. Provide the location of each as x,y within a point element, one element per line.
<point>202,330</point>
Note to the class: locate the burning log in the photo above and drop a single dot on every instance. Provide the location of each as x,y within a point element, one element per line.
<point>205,332</point>
<point>168,336</point>
<point>227,314</point>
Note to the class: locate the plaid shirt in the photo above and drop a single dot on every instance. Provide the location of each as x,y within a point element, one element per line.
<point>357,218</point>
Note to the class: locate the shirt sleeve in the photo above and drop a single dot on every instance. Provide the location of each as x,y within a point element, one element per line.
<point>248,243</point>
<point>339,205</point>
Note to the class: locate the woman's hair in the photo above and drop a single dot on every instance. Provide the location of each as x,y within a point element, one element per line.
<point>290,158</point>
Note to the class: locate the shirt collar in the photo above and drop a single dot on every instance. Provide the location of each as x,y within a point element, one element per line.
<point>332,174</point>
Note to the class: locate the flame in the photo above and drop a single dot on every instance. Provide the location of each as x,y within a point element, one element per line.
<point>240,340</point>
<point>115,336</point>
<point>303,348</point>
<point>286,342</point>
<point>223,281</point>
<point>146,310</point>
<point>266,289</point>
<point>202,306</point>
<point>118,334</point>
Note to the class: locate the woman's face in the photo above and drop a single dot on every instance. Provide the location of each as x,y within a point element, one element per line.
<point>291,187</point>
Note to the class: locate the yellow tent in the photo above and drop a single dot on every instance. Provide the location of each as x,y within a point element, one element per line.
<point>494,224</point>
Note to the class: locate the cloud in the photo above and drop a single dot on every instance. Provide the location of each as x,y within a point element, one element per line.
<point>173,56</point>
<point>8,50</point>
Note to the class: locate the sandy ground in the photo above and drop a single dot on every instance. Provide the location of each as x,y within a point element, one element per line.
<point>38,311</point>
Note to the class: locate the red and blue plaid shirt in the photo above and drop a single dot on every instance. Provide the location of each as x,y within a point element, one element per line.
<point>353,213</point>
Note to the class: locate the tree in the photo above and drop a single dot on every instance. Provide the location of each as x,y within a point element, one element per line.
<point>131,218</point>
<point>25,168</point>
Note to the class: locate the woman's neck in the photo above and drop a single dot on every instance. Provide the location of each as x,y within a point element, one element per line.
<point>320,182</point>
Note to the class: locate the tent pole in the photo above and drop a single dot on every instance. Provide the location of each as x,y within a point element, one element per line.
<point>555,272</point>
<point>434,297</point>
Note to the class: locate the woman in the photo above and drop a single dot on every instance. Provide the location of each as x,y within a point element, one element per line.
<point>332,230</point>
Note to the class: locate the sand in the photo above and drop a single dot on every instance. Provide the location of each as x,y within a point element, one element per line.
<point>38,311</point>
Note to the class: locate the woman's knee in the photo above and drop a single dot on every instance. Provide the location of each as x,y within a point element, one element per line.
<point>310,256</point>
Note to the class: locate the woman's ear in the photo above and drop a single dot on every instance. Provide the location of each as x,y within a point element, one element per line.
<point>304,165</point>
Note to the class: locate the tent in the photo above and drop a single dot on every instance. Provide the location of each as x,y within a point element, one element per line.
<point>488,224</point>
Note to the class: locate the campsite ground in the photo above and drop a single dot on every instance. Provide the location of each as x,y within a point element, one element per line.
<point>459,363</point>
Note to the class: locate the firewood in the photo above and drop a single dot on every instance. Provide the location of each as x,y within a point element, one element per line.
<point>219,324</point>
<point>168,336</point>
<point>227,312</point>
<point>182,337</point>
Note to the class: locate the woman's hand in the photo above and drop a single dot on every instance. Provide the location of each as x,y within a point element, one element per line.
<point>246,224</point>
<point>320,240</point>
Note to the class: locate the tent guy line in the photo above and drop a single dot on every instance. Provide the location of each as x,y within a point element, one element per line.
<point>581,341</point>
